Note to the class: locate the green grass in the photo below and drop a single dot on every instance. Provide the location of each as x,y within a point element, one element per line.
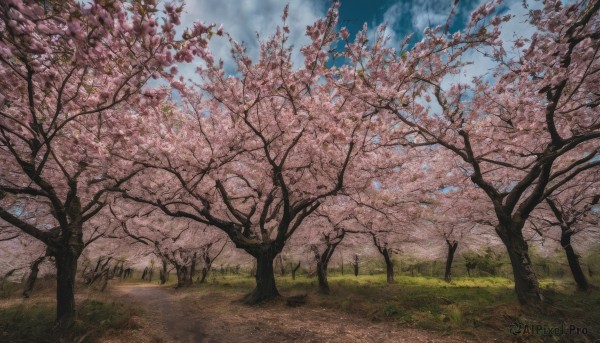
<point>34,322</point>
<point>8,289</point>
<point>479,307</point>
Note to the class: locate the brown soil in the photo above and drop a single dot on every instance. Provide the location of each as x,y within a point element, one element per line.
<point>208,316</point>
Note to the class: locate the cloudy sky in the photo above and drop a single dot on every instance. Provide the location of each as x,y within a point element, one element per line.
<point>244,19</point>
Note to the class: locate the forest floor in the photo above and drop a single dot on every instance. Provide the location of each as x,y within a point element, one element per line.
<point>213,316</point>
<point>359,309</point>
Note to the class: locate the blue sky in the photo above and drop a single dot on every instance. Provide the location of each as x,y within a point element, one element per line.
<point>404,16</point>
<point>243,19</point>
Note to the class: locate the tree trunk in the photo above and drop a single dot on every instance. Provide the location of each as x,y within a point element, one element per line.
<point>389,266</point>
<point>265,279</point>
<point>451,250</point>
<point>526,282</point>
<point>294,269</point>
<point>66,268</point>
<point>35,268</point>
<point>163,272</point>
<point>120,271</point>
<point>322,276</point>
<point>128,273</point>
<point>279,262</point>
<point>355,265</point>
<point>187,273</point>
<point>206,268</point>
<point>190,279</point>
<point>470,266</point>
<point>105,283</point>
<point>203,274</point>
<point>573,259</point>
<point>182,276</point>
<point>323,262</point>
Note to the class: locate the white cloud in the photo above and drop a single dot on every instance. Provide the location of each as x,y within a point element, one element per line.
<point>517,27</point>
<point>429,13</point>
<point>245,18</point>
<point>404,17</point>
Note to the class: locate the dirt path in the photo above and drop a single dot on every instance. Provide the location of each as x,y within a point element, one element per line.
<point>206,316</point>
<point>164,309</point>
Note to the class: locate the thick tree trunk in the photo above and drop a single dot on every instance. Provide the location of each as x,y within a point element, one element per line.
<point>449,258</point>
<point>323,262</point>
<point>389,266</point>
<point>322,276</point>
<point>526,282</point>
<point>573,259</point>
<point>265,279</point>
<point>182,276</point>
<point>186,272</point>
<point>66,268</point>
<point>31,279</point>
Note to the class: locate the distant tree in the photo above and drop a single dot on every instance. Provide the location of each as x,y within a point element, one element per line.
<point>355,264</point>
<point>174,241</point>
<point>324,232</point>
<point>574,209</point>
<point>208,256</point>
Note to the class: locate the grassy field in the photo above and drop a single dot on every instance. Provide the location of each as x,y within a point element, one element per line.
<point>481,308</point>
<point>32,320</point>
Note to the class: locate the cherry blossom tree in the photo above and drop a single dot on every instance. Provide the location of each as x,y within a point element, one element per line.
<point>388,232</point>
<point>69,71</point>
<point>384,242</point>
<point>522,132</point>
<point>324,231</point>
<point>175,242</point>
<point>454,212</point>
<point>169,241</point>
<point>209,252</point>
<point>389,214</point>
<point>458,219</point>
<point>574,210</point>
<point>256,153</point>
<point>17,255</point>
